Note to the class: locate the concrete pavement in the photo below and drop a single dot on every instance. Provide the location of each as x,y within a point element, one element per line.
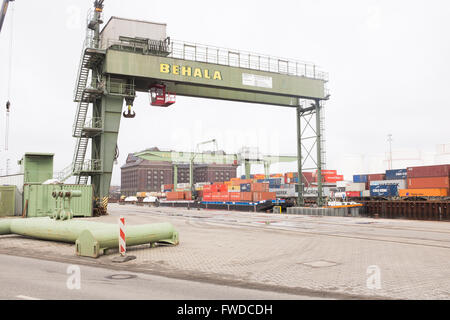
<point>332,257</point>
<point>34,279</point>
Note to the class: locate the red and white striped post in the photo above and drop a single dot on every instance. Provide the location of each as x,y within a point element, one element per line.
<point>122,242</point>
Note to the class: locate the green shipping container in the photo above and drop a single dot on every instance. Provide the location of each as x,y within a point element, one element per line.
<point>10,201</point>
<point>38,200</point>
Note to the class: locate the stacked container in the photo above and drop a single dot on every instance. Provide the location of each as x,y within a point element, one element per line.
<point>435,180</point>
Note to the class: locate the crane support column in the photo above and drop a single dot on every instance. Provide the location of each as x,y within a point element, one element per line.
<point>300,199</point>
<point>267,169</point>
<point>175,176</point>
<point>319,155</point>
<point>109,108</point>
<point>247,166</point>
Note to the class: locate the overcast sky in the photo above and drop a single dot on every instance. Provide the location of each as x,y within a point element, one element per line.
<point>388,64</point>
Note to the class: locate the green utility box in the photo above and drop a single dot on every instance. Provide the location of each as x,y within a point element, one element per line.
<point>10,201</point>
<point>37,167</point>
<point>38,200</point>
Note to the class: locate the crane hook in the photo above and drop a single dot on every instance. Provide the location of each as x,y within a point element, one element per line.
<point>129,113</point>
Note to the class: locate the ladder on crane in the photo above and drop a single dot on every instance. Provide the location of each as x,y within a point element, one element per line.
<point>85,94</point>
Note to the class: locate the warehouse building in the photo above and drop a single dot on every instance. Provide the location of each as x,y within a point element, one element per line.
<point>139,175</point>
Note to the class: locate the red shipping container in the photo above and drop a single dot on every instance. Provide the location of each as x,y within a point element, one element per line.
<point>262,196</point>
<point>334,178</point>
<point>207,196</point>
<point>188,195</point>
<point>429,171</point>
<point>246,196</point>
<point>326,173</point>
<point>376,177</point>
<point>431,182</point>
<point>207,188</point>
<point>168,187</point>
<point>353,194</point>
<point>224,196</point>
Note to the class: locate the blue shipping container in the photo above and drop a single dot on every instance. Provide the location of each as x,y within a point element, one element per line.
<point>246,187</point>
<point>396,174</point>
<point>384,191</point>
<point>360,178</point>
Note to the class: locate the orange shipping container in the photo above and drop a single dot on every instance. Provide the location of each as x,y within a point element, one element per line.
<point>423,192</point>
<point>188,195</point>
<point>276,175</point>
<point>241,181</point>
<point>432,182</point>
<point>176,195</point>
<point>261,196</point>
<point>246,196</point>
<point>235,196</point>
<point>259,187</point>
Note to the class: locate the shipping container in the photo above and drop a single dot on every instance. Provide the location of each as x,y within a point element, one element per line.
<point>10,201</point>
<point>401,184</point>
<point>333,178</point>
<point>240,181</point>
<point>13,180</point>
<point>326,173</point>
<point>340,195</point>
<point>234,189</point>
<point>38,200</point>
<point>343,184</point>
<point>365,193</point>
<point>262,196</point>
<point>277,175</point>
<point>175,195</point>
<point>396,174</point>
<point>353,194</point>
<point>356,186</point>
<point>259,187</point>
<point>358,178</point>
<point>246,187</point>
<point>431,182</point>
<point>235,196</point>
<point>246,196</point>
<point>423,192</point>
<point>376,176</point>
<point>188,195</point>
<point>207,196</point>
<point>384,191</point>
<point>429,171</point>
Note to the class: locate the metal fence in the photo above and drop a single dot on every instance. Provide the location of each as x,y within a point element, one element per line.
<point>221,56</point>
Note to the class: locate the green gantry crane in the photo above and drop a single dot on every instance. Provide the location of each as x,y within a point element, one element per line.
<point>3,12</point>
<point>112,70</point>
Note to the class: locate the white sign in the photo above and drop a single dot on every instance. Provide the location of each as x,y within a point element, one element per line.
<point>256,80</point>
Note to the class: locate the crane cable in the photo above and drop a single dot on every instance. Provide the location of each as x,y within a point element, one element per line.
<point>8,103</point>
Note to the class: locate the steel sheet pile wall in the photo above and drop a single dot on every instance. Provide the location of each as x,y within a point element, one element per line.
<point>417,210</point>
<point>338,212</point>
